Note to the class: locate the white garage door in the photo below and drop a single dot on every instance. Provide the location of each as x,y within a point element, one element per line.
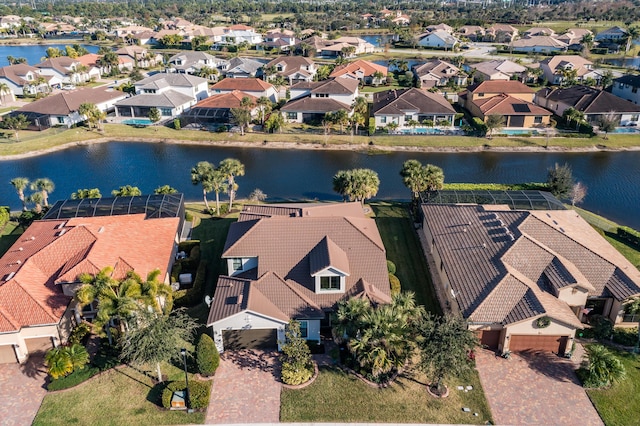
<point>7,354</point>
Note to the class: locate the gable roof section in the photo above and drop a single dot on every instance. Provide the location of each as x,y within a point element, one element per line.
<point>242,84</point>
<point>17,72</point>
<point>508,105</point>
<point>630,79</point>
<point>491,86</point>
<point>166,99</point>
<point>589,100</point>
<point>366,68</point>
<point>69,101</point>
<point>315,105</point>
<point>163,79</point>
<point>61,64</point>
<point>328,254</point>
<point>397,102</point>
<point>225,100</point>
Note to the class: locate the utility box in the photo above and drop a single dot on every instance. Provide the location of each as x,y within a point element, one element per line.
<point>177,401</point>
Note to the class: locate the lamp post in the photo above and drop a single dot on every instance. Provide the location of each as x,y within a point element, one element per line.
<point>183,351</point>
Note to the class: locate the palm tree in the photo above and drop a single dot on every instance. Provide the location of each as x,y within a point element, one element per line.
<point>264,107</point>
<point>218,184</point>
<point>377,78</point>
<point>78,356</point>
<point>571,114</point>
<point>632,34</point>
<point>126,191</point>
<point>231,168</point>
<point>360,105</point>
<point>434,177</point>
<point>603,367</point>
<point>202,174</point>
<point>58,362</point>
<point>91,113</point>
<point>4,90</point>
<point>36,198</point>
<point>165,189</point>
<point>356,184</point>
<point>340,117</point>
<point>20,184</point>
<point>86,193</point>
<point>45,186</point>
<point>413,123</point>
<point>357,120</point>
<point>494,122</point>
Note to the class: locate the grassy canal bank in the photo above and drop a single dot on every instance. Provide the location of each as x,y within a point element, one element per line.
<point>33,142</point>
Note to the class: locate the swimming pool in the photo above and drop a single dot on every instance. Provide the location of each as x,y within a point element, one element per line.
<point>625,130</point>
<point>138,122</point>
<point>516,132</point>
<point>422,131</point>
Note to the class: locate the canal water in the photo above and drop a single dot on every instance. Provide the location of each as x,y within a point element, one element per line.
<point>34,53</point>
<point>612,178</point>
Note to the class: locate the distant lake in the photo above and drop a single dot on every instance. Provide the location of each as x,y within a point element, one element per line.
<point>410,63</point>
<point>34,52</point>
<point>379,40</point>
<point>632,63</point>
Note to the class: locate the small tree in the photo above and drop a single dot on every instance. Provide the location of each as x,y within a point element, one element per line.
<point>494,122</point>
<point>86,193</point>
<point>257,195</point>
<point>207,356</point>
<point>444,348</point>
<point>154,115</point>
<point>607,123</point>
<point>64,360</point>
<point>297,367</point>
<point>15,123</point>
<point>601,367</point>
<point>275,122</point>
<point>126,191</point>
<point>357,184</point>
<point>560,180</point>
<point>633,307</point>
<point>578,192</point>
<point>165,189</point>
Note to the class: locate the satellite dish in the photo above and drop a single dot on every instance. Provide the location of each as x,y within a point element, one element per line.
<point>208,300</point>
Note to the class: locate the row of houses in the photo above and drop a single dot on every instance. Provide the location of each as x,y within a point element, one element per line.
<point>521,269</point>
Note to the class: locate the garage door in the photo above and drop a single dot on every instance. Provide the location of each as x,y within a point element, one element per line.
<point>38,344</point>
<point>520,343</point>
<point>7,355</point>
<point>250,339</point>
<point>489,338</point>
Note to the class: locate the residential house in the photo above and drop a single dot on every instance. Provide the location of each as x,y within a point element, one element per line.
<point>437,73</point>
<point>538,44</point>
<point>293,69</point>
<point>593,103</point>
<point>316,44</point>
<point>503,267</point>
<point>497,69</point>
<point>63,70</point>
<point>401,20</point>
<point>310,101</point>
<point>361,45</point>
<point>555,69</point>
<point>90,62</point>
<point>40,272</point>
<point>344,90</point>
<point>24,79</point>
<point>574,36</point>
<point>510,99</point>
<point>366,71</point>
<point>614,34</point>
<point>281,41</point>
<point>130,30</point>
<point>190,62</point>
<point>501,33</point>
<point>243,68</point>
<point>170,93</point>
<point>252,86</point>
<point>8,22</point>
<point>626,87</point>
<point>138,56</point>
<point>294,261</point>
<point>539,31</point>
<point>440,27</point>
<point>438,39</point>
<point>216,109</point>
<point>472,32</point>
<point>411,105</point>
<point>61,109</point>
<point>236,37</point>
<point>50,29</point>
<point>311,110</point>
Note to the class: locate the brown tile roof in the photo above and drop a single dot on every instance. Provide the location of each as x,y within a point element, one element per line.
<point>539,41</point>
<point>507,266</point>
<point>315,105</point>
<point>397,102</point>
<point>333,86</point>
<point>56,251</point>
<point>62,64</point>
<point>242,84</point>
<point>492,86</point>
<point>291,248</point>
<point>355,68</point>
<point>257,211</point>
<point>589,100</point>
<point>436,67</point>
<point>508,105</point>
<point>17,72</point>
<point>225,100</point>
<point>65,102</point>
<point>292,63</point>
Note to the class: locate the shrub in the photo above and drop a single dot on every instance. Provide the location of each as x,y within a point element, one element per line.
<point>391,267</point>
<point>195,294</point>
<point>79,332</point>
<point>395,284</point>
<point>198,393</point>
<point>625,336</point>
<point>602,326</point>
<point>188,216</point>
<point>629,235</point>
<point>188,246</point>
<point>4,216</point>
<point>297,367</point>
<point>601,369</point>
<point>207,356</point>
<point>176,123</point>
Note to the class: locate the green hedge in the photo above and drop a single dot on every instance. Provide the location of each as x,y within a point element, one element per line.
<point>391,267</point>
<point>187,246</point>
<point>194,295</point>
<point>629,235</point>
<point>625,336</point>
<point>207,356</point>
<point>198,393</point>
<point>4,216</point>
<point>395,284</point>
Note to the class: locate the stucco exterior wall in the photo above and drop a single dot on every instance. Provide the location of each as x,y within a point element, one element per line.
<point>17,339</point>
<point>246,320</point>
<point>528,327</point>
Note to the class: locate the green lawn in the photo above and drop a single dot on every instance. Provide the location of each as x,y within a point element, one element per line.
<point>403,249</point>
<point>8,236</point>
<point>338,397</point>
<point>620,404</point>
<point>119,397</point>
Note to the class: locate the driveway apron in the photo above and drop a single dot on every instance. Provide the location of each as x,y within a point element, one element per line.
<point>21,391</point>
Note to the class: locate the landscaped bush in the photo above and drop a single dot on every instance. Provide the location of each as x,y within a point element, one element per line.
<point>395,284</point>
<point>198,393</point>
<point>188,246</point>
<point>195,294</point>
<point>207,356</point>
<point>297,367</point>
<point>79,332</point>
<point>625,336</point>
<point>601,369</point>
<point>602,327</point>
<point>391,267</point>
<point>105,359</point>
<point>4,216</point>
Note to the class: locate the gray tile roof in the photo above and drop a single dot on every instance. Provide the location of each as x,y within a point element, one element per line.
<point>167,99</point>
<point>171,79</point>
<point>397,102</point>
<point>589,100</point>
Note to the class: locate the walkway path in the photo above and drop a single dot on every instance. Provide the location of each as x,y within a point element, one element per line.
<point>535,388</point>
<point>246,388</point>
<point>21,391</point>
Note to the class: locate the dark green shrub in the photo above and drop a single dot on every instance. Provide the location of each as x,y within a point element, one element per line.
<point>188,246</point>
<point>602,327</point>
<point>395,284</point>
<point>625,336</point>
<point>188,216</point>
<point>195,294</point>
<point>4,216</point>
<point>198,393</point>
<point>391,267</point>
<point>207,356</point>
<point>629,235</point>
<point>79,332</point>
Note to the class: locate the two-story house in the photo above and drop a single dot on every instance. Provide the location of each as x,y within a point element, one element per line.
<point>64,70</point>
<point>556,68</point>
<point>310,101</point>
<point>365,71</point>
<point>190,62</point>
<point>293,69</point>
<point>626,87</point>
<point>24,79</point>
<point>437,73</point>
<point>405,107</point>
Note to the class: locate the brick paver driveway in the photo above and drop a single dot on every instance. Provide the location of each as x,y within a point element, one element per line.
<point>21,391</point>
<point>538,388</point>
<point>246,388</point>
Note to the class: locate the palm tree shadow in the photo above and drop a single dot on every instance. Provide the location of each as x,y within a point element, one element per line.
<point>34,366</point>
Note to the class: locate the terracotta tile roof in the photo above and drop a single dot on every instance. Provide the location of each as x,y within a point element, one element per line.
<point>508,105</point>
<point>56,251</point>
<point>359,68</point>
<point>491,86</point>
<point>292,247</point>
<point>397,102</point>
<point>225,100</point>
<point>589,100</point>
<point>69,101</point>
<point>242,84</point>
<point>90,59</point>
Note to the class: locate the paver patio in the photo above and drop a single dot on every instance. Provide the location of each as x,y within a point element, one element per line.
<point>534,388</point>
<point>246,388</point>
<point>21,391</point>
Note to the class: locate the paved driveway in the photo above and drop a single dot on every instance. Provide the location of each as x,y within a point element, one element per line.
<point>246,388</point>
<point>21,391</point>
<point>540,389</point>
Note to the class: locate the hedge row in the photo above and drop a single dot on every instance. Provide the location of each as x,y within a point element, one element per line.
<point>194,295</point>
<point>198,393</point>
<point>629,235</point>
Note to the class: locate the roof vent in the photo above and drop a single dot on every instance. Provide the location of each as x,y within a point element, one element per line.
<point>18,262</point>
<point>20,249</point>
<point>32,238</point>
<point>61,233</point>
<point>240,299</point>
<point>464,230</point>
<point>8,277</point>
<point>561,230</point>
<point>60,226</point>
<point>555,222</point>
<point>484,245</point>
<point>101,230</point>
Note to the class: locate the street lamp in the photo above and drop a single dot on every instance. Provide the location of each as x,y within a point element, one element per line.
<point>183,351</point>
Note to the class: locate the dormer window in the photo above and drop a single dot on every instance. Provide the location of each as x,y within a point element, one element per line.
<point>329,266</point>
<point>237,264</point>
<point>330,283</point>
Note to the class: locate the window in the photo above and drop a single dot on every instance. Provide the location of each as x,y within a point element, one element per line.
<point>329,283</point>
<point>292,115</point>
<point>60,120</point>
<point>537,119</point>
<point>165,111</point>
<point>383,119</point>
<point>634,90</point>
<point>304,329</point>
<point>408,118</point>
<point>237,264</point>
